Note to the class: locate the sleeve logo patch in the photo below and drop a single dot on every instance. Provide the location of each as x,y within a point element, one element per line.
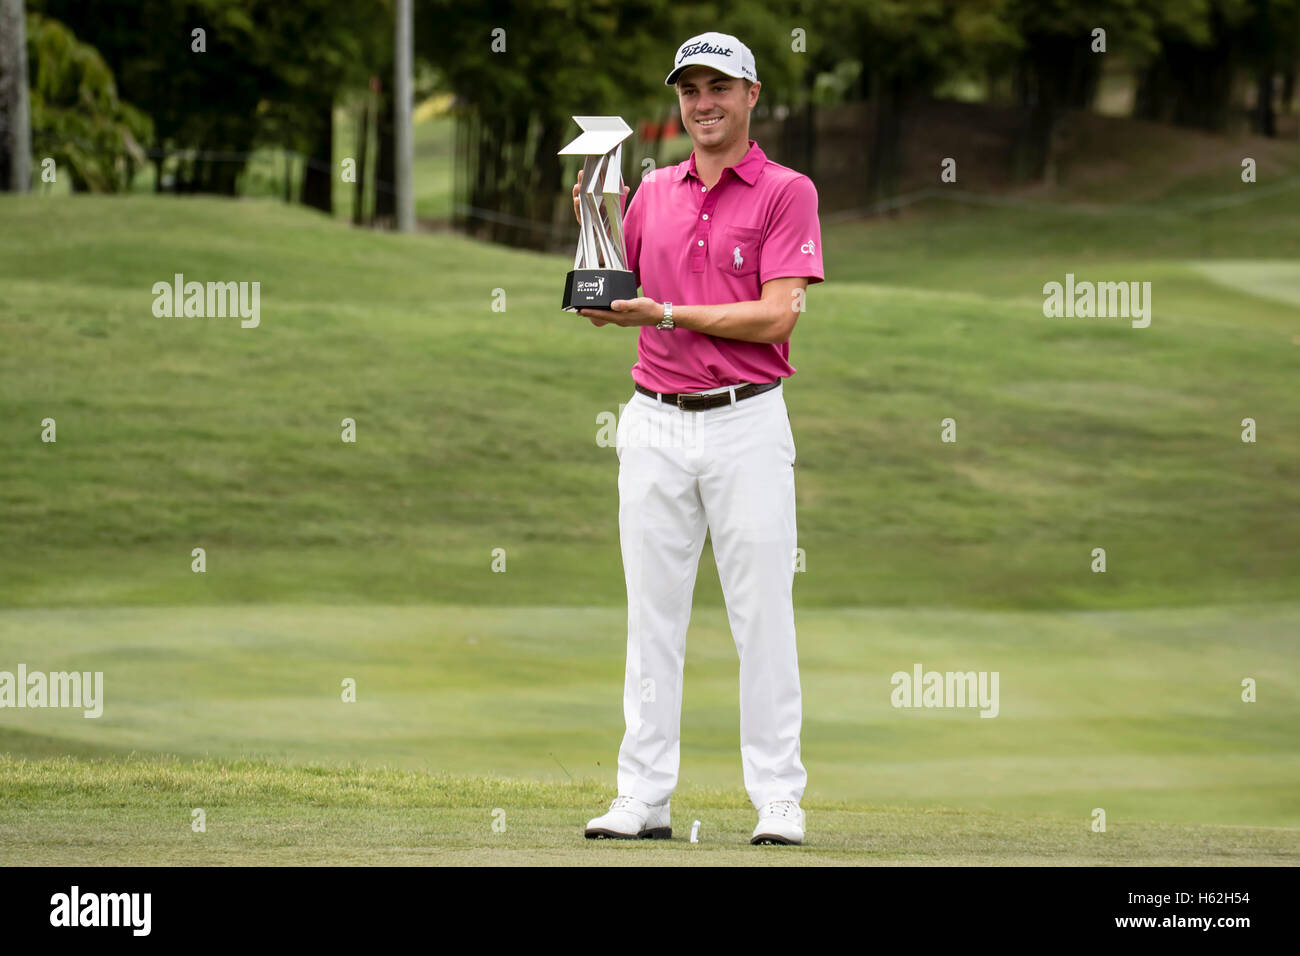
<point>807,248</point>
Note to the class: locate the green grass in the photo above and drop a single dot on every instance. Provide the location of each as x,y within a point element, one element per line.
<point>1138,713</point>
<point>141,813</point>
<point>477,430</point>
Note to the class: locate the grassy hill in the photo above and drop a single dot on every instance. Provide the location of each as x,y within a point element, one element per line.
<point>1138,712</point>
<point>477,428</point>
<point>140,813</point>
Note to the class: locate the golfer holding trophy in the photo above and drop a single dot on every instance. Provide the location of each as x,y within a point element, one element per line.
<point>723,246</point>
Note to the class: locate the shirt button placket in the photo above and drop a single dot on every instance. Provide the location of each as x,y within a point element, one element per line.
<point>698,253</point>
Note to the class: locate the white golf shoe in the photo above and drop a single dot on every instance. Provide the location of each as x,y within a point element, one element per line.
<point>630,819</point>
<point>780,821</point>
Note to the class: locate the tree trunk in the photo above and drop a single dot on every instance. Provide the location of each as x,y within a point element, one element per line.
<point>514,199</point>
<point>15,109</point>
<point>1189,85</point>
<point>483,146</point>
<point>884,160</point>
<point>499,165</point>
<point>318,176</point>
<point>483,193</point>
<point>460,171</point>
<point>386,158</point>
<point>363,144</point>
<point>656,149</point>
<point>805,151</point>
<point>1264,118</point>
<point>545,188</point>
<point>218,173</point>
<point>1060,73</point>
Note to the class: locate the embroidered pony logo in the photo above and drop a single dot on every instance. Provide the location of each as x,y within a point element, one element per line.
<point>736,259</point>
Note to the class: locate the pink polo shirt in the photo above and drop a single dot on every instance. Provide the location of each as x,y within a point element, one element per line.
<point>689,245</point>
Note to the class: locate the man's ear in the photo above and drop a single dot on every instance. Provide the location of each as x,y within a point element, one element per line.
<point>753,93</point>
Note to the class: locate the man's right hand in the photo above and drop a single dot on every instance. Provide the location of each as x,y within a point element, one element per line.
<point>578,185</point>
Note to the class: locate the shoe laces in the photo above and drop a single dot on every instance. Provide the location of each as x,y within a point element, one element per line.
<point>782,808</point>
<point>624,803</point>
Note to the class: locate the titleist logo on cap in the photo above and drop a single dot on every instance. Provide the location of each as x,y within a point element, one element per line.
<point>703,47</point>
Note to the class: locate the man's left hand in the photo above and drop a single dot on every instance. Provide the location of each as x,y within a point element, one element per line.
<point>628,312</point>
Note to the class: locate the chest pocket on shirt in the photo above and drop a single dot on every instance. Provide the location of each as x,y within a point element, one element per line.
<point>734,249</point>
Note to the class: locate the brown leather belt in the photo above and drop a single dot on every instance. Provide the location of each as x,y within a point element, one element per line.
<point>695,402</point>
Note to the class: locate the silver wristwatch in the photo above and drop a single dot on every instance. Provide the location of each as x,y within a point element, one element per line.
<point>667,322</point>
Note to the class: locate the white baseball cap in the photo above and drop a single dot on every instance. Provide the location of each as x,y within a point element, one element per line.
<point>721,51</point>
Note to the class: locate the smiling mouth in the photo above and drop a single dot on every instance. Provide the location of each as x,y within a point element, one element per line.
<point>709,122</point>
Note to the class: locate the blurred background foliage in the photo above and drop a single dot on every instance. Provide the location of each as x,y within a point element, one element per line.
<point>282,93</point>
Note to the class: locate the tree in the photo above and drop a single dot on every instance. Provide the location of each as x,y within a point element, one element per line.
<point>1271,49</point>
<point>94,138</point>
<point>906,50</point>
<point>201,90</point>
<point>520,72</point>
<point>1205,50</point>
<point>313,49</point>
<point>15,117</point>
<point>1058,68</point>
<point>1189,80</point>
<point>261,72</point>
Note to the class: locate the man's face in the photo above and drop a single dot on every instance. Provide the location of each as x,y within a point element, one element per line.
<point>715,107</point>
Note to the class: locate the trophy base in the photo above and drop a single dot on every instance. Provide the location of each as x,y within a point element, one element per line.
<point>597,288</point>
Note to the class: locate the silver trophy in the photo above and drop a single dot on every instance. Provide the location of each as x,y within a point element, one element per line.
<point>600,273</point>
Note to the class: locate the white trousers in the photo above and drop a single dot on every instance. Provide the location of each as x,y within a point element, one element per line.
<point>728,471</point>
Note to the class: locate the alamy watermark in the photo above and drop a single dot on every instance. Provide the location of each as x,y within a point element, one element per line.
<point>213,300</point>
<point>55,689</point>
<point>676,429</point>
<point>75,908</point>
<point>947,689</point>
<point>1086,300</point>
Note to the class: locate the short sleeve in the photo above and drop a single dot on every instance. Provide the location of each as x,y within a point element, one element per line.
<point>632,233</point>
<point>792,242</point>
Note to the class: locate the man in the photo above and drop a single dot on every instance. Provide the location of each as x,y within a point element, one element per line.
<point>723,247</point>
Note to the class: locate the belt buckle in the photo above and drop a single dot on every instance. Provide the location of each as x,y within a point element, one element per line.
<point>680,406</point>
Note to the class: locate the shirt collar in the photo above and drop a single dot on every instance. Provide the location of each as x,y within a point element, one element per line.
<point>747,169</point>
